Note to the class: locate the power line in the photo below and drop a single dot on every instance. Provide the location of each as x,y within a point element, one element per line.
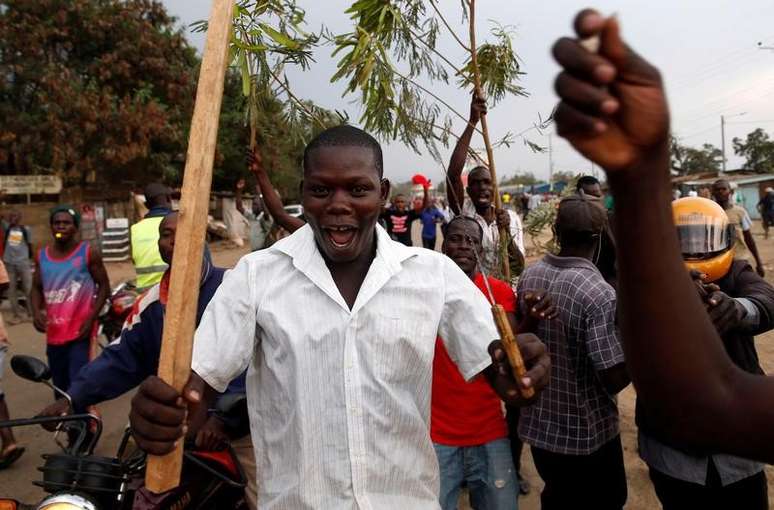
<point>769,121</point>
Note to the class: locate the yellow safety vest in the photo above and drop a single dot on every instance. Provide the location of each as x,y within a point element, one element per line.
<point>145,252</point>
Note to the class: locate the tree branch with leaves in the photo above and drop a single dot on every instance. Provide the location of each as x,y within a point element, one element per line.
<point>392,50</point>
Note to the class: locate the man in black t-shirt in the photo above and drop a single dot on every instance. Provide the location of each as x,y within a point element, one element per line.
<point>399,218</point>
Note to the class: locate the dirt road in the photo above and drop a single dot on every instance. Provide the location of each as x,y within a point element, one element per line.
<point>25,399</point>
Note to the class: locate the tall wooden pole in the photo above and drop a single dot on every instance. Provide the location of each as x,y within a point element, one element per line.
<point>163,472</point>
<point>506,268</point>
<point>507,335</point>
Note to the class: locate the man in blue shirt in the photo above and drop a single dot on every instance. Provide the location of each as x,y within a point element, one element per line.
<point>430,216</point>
<point>134,356</point>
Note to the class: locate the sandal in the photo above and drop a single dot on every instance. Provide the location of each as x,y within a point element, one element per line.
<point>11,455</point>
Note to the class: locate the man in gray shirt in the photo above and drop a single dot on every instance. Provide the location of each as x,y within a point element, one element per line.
<point>16,256</point>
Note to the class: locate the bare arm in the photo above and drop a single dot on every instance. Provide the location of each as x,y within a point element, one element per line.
<point>100,277</point>
<point>37,301</point>
<point>615,378</point>
<point>455,192</point>
<point>240,186</point>
<point>271,200</point>
<point>683,376</point>
<point>750,242</point>
<point>425,197</point>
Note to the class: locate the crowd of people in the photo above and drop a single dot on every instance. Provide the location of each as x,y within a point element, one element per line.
<point>373,370</point>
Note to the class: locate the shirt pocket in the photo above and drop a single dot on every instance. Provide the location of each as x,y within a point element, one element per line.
<point>402,347</point>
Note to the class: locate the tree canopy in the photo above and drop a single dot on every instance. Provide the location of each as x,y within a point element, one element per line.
<point>758,150</point>
<point>689,160</point>
<point>523,178</point>
<point>93,87</point>
<point>102,91</point>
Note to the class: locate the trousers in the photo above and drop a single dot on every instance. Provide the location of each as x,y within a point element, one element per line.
<point>596,480</point>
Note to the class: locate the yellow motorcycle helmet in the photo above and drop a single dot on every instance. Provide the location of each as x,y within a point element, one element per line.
<point>706,237</point>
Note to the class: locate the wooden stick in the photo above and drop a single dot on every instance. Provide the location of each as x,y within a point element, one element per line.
<point>485,132</point>
<point>511,348</point>
<point>163,473</point>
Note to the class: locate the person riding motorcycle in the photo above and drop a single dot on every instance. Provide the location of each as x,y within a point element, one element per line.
<point>134,356</point>
<point>741,305</point>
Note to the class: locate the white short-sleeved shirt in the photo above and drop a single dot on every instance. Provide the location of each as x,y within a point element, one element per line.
<point>339,399</point>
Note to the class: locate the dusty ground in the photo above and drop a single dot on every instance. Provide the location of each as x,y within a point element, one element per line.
<point>25,399</point>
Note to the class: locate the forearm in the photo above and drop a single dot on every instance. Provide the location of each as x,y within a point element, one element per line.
<point>36,300</point>
<point>455,191</point>
<point>273,204</point>
<point>674,355</point>
<point>750,242</point>
<point>238,199</point>
<point>198,413</point>
<point>103,293</point>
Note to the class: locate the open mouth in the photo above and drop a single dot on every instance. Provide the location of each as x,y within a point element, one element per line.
<point>341,236</point>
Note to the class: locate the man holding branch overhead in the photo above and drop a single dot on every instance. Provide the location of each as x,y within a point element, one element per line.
<point>481,201</point>
<point>336,325</point>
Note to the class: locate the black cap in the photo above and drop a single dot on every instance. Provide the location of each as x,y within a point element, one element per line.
<point>582,213</point>
<point>156,189</point>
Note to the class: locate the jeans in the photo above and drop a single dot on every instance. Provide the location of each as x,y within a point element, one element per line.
<point>428,242</point>
<point>16,270</point>
<point>488,471</point>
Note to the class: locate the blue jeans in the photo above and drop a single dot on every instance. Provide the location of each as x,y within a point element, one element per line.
<point>487,469</point>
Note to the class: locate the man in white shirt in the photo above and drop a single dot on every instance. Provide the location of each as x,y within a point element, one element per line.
<point>336,325</point>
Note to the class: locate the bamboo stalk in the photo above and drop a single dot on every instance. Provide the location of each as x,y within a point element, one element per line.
<point>487,142</point>
<point>163,472</point>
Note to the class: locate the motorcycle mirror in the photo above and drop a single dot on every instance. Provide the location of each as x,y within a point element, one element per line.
<point>30,368</point>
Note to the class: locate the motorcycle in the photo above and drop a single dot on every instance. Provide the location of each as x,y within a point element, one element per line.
<point>76,479</point>
<point>115,311</point>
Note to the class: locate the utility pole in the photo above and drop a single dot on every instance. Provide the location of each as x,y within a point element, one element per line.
<point>723,137</point>
<point>550,164</point>
<point>723,142</point>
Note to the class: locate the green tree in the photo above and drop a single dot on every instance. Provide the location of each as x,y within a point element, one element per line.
<point>392,50</point>
<point>758,150</point>
<point>689,160</point>
<point>93,89</point>
<point>565,176</point>
<point>524,179</point>
<point>281,132</point>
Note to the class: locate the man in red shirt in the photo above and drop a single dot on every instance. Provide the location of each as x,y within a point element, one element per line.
<point>467,424</point>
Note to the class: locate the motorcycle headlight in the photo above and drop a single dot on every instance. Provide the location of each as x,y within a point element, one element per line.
<point>66,502</point>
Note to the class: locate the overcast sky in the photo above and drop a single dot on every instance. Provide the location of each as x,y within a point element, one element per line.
<point>707,51</point>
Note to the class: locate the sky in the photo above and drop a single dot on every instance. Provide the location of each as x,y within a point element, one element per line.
<point>707,51</point>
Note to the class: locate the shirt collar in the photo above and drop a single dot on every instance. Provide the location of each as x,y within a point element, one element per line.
<point>302,249</point>
<point>569,262</point>
<point>154,212</point>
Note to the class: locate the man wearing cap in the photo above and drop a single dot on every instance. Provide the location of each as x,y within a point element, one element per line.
<point>573,427</point>
<point>766,207</point>
<point>144,237</point>
<point>69,287</point>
